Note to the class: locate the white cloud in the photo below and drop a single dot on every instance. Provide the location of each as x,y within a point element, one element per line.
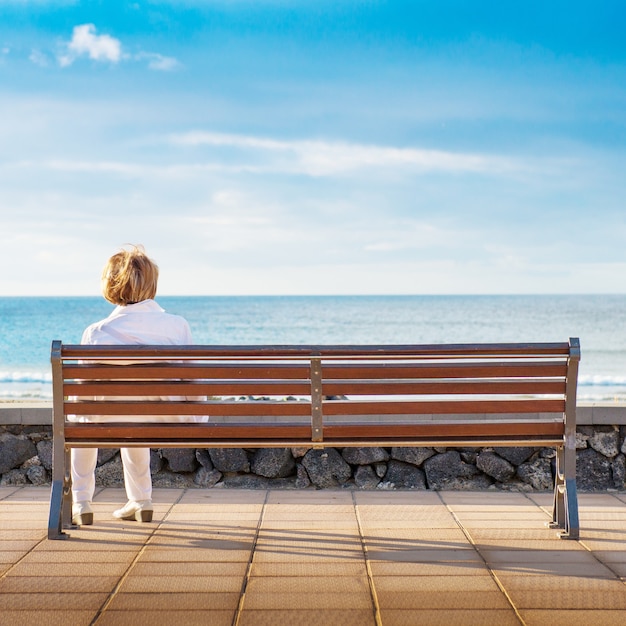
<point>323,158</point>
<point>85,42</point>
<point>39,58</point>
<point>158,61</point>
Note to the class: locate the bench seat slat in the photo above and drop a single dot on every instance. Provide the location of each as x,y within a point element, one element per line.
<point>165,408</point>
<point>354,432</point>
<point>183,432</point>
<point>555,369</point>
<point>91,371</point>
<point>481,387</point>
<point>165,370</point>
<point>440,407</point>
<point>305,351</point>
<point>495,430</point>
<point>300,408</point>
<point>186,388</point>
<point>289,387</point>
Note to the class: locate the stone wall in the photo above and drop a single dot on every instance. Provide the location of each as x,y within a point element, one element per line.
<point>26,458</point>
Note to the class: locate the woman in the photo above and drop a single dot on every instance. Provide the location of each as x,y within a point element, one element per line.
<point>129,280</point>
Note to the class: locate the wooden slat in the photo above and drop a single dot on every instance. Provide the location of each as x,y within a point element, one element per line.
<point>182,432</point>
<point>186,388</point>
<point>70,351</point>
<point>90,371</point>
<point>440,407</point>
<point>484,387</point>
<point>446,370</point>
<point>495,430</point>
<point>164,408</point>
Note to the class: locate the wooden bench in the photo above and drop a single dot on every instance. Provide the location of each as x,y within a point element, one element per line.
<point>317,396</point>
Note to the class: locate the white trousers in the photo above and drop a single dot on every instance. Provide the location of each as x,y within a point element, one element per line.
<point>137,479</point>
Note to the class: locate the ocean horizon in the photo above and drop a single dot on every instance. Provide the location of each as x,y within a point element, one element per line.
<point>29,324</point>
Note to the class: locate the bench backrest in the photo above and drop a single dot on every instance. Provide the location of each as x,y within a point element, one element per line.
<point>257,396</point>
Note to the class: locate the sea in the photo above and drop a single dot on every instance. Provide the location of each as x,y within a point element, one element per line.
<point>28,325</point>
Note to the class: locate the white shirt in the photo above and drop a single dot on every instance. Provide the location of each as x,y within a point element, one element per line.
<point>144,323</point>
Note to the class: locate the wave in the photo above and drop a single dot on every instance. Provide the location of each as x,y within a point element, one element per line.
<point>26,377</point>
<point>25,395</point>
<point>601,381</point>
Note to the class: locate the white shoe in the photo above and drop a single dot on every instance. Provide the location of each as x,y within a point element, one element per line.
<point>82,515</point>
<point>140,511</point>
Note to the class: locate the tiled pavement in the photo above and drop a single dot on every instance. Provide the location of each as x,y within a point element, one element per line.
<point>315,557</point>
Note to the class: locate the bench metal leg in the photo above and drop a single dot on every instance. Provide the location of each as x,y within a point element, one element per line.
<point>60,494</point>
<point>565,505</point>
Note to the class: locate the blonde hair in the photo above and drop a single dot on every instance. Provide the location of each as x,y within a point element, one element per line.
<point>130,276</point>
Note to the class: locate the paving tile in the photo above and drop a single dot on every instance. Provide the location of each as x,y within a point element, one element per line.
<point>316,542</point>
<point>610,556</point>
<point>28,568</point>
<point>328,496</point>
<point>265,554</point>
<point>190,568</point>
<point>67,584</point>
<point>568,599</point>
<point>262,601</point>
<point>383,498</point>
<point>619,569</point>
<point>5,492</point>
<point>182,555</point>
<point>509,523</point>
<point>483,600</point>
<point>535,515</point>
<point>530,545</point>
<point>537,533</point>
<point>432,535</point>
<point>513,582</point>
<point>425,555</point>
<point>17,545</point>
<point>81,556</point>
<point>175,601</point>
<point>150,618</point>
<point>407,523</point>
<point>410,513</point>
<point>66,617</point>
<point>181,584</point>
<point>437,568</point>
<point>186,540</point>
<point>19,601</point>
<point>618,535</point>
<point>26,512</point>
<point>592,569</point>
<point>76,543</point>
<point>299,568</point>
<point>23,534</point>
<point>434,584</point>
<point>499,498</point>
<point>41,495</point>
<point>572,617</point>
<point>445,617</point>
<point>11,556</point>
<point>520,507</point>
<point>308,585</point>
<point>320,617</point>
<point>499,555</point>
<point>304,526</point>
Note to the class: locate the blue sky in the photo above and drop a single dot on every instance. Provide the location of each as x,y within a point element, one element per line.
<point>315,147</point>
